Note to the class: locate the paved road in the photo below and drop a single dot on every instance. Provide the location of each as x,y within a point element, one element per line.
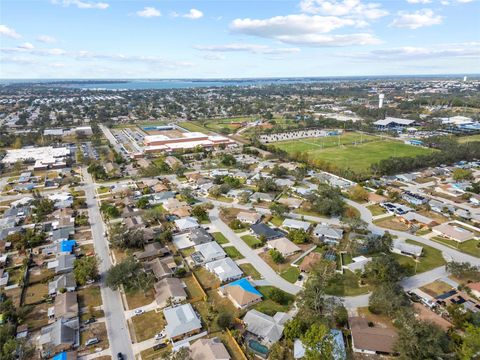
<point>261,266</point>
<point>118,334</point>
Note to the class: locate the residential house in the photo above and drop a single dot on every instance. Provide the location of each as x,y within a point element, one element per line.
<point>241,293</point>
<point>225,269</point>
<point>475,288</point>
<point>284,246</point>
<point>291,202</point>
<point>63,263</point>
<point>62,233</point>
<point>66,306</point>
<point>404,248</point>
<point>151,251</point>
<point>161,267</point>
<point>249,217</point>
<point>207,252</point>
<point>415,199</point>
<point>413,218</point>
<point>453,232</point>
<point>62,282</point>
<point>371,339</point>
<point>263,230</point>
<point>169,291</point>
<point>268,329</point>
<point>328,234</point>
<point>4,277</point>
<point>198,235</point>
<point>186,223</point>
<point>181,321</point>
<point>59,336</point>
<point>209,349</point>
<point>259,196</point>
<point>358,263</point>
<point>173,162</point>
<point>172,204</point>
<point>292,224</point>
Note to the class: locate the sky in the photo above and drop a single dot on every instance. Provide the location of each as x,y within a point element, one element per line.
<point>237,38</point>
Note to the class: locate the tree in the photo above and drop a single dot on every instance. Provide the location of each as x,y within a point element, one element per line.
<point>358,193</point>
<point>387,298</point>
<point>276,256</point>
<point>224,319</point>
<point>470,348</point>
<point>228,160</point>
<point>278,209</point>
<point>85,269</point>
<point>463,270</point>
<point>298,236</point>
<point>128,273</point>
<point>419,340</point>
<point>279,171</point>
<point>279,296</point>
<point>123,238</point>
<point>110,211</point>
<point>384,269</point>
<point>295,328</point>
<point>143,202</point>
<point>318,342</point>
<point>42,208</point>
<point>327,201</point>
<point>200,213</point>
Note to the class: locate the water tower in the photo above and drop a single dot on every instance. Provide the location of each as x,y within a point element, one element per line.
<point>380,100</point>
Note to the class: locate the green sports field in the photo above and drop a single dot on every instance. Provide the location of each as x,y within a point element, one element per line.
<point>347,151</point>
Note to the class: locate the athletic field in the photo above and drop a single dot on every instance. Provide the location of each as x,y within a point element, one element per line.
<point>347,150</point>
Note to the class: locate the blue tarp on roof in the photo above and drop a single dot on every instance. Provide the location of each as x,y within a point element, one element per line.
<point>245,285</point>
<point>67,245</point>
<point>61,356</point>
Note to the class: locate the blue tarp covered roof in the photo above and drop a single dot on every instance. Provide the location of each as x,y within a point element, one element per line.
<point>67,245</point>
<point>245,285</point>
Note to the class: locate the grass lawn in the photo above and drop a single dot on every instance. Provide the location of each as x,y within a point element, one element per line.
<point>220,238</point>
<point>346,285</point>
<point>151,354</point>
<point>376,210</point>
<point>187,252</point>
<point>233,252</point>
<point>250,271</point>
<point>430,259</point>
<point>358,157</point>
<point>470,138</point>
<point>290,274</point>
<point>190,126</point>
<point>436,288</point>
<point>392,223</point>
<point>95,330</point>
<point>193,289</point>
<point>37,317</point>
<point>251,240</point>
<point>471,247</point>
<point>138,298</point>
<point>277,220</point>
<point>89,296</point>
<point>35,293</point>
<point>206,279</point>
<point>147,325</point>
<point>268,305</point>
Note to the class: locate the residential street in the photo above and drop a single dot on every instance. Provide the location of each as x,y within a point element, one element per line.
<point>118,334</point>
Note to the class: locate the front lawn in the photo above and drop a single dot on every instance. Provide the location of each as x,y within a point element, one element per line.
<point>89,296</point>
<point>249,270</point>
<point>139,298</point>
<point>346,284</point>
<point>251,241</point>
<point>376,210</point>
<point>147,325</point>
<point>233,252</point>
<point>431,258</point>
<point>206,279</point>
<point>471,247</point>
<point>220,238</point>
<point>270,306</point>
<point>291,274</point>
<point>96,330</point>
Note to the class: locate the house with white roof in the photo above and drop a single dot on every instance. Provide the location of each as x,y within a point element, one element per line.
<point>293,224</point>
<point>328,234</point>
<point>404,248</point>
<point>284,246</point>
<point>186,223</point>
<point>181,321</point>
<point>225,269</point>
<point>208,252</point>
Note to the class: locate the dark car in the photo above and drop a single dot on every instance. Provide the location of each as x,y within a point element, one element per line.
<point>90,321</point>
<point>120,356</point>
<point>159,346</point>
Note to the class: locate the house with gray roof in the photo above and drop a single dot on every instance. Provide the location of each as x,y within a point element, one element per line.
<point>60,335</point>
<point>225,269</point>
<point>181,321</point>
<point>328,234</point>
<point>293,224</point>
<point>404,248</point>
<point>268,329</point>
<point>63,263</point>
<point>208,252</point>
<point>60,282</point>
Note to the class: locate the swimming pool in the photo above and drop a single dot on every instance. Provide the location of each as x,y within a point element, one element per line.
<point>258,348</point>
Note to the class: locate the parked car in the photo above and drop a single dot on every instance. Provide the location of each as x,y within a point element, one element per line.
<point>90,321</point>
<point>92,341</point>
<point>120,356</point>
<point>159,346</point>
<point>160,335</point>
<point>138,311</point>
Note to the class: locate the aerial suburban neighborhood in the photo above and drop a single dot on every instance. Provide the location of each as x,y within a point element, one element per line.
<point>287,234</point>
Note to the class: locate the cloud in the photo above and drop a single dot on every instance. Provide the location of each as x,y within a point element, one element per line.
<point>419,1</point>
<point>214,57</point>
<point>251,48</point>
<point>193,14</point>
<point>304,30</point>
<point>26,46</point>
<point>46,39</point>
<point>347,8</point>
<point>417,19</point>
<point>470,50</point>
<point>149,12</point>
<point>82,4</point>
<point>9,32</point>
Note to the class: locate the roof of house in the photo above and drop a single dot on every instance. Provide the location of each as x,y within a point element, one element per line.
<point>283,245</point>
<point>328,231</point>
<point>167,288</point>
<point>265,326</point>
<point>413,216</point>
<point>250,216</point>
<point>296,224</point>
<point>242,291</point>
<point>209,349</point>
<point>390,120</point>
<point>210,250</point>
<point>406,247</point>
<point>60,332</point>
<point>160,267</point>
<point>381,339</point>
<point>199,235</point>
<point>186,223</point>
<point>224,268</point>
<point>151,249</point>
<point>454,232</point>
<point>66,305</point>
<point>62,282</point>
<point>181,319</point>
<point>474,286</point>
<point>265,230</point>
<point>291,202</point>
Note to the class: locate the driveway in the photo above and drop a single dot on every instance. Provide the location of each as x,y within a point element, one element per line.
<point>117,329</point>
<point>261,266</point>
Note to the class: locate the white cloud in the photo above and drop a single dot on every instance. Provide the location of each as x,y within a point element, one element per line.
<point>46,39</point>
<point>214,56</point>
<point>26,46</point>
<point>148,12</point>
<point>82,4</point>
<point>348,8</point>
<point>193,14</point>
<point>9,32</point>
<point>417,19</point>
<point>305,30</point>
<point>419,1</point>
<point>252,48</point>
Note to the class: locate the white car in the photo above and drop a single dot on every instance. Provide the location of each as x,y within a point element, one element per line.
<point>138,311</point>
